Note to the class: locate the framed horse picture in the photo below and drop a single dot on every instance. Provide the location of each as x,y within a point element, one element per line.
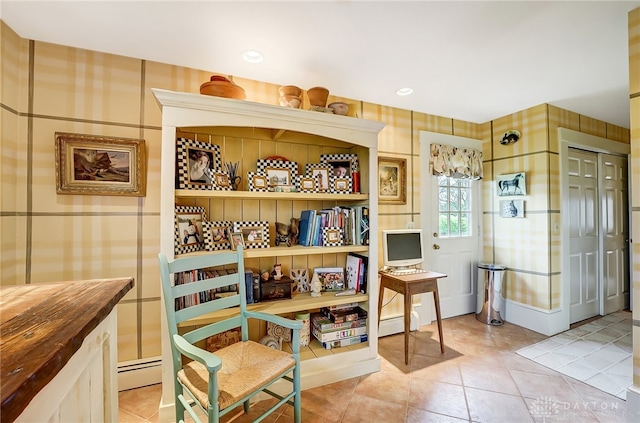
<point>511,184</point>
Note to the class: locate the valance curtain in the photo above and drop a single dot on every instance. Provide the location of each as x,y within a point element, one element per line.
<point>455,162</point>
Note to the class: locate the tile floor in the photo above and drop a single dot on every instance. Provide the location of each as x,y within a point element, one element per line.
<point>479,378</point>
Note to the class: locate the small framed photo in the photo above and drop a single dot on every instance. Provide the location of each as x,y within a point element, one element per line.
<point>216,235</point>
<point>343,164</point>
<point>96,165</point>
<point>392,180</point>
<point>220,180</point>
<point>278,172</point>
<point>189,229</point>
<point>332,237</point>
<point>341,185</point>
<point>255,234</point>
<point>236,239</point>
<point>511,184</point>
<point>306,183</point>
<point>197,161</point>
<point>331,278</point>
<point>322,173</point>
<point>511,208</point>
<point>257,182</point>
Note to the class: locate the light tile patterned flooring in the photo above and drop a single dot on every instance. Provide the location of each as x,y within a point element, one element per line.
<point>479,378</point>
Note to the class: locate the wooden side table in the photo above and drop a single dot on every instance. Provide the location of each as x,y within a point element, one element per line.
<point>408,285</point>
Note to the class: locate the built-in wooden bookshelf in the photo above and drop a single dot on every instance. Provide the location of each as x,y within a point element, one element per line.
<point>248,131</point>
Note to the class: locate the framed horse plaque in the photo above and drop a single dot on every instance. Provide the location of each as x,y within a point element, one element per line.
<point>511,184</point>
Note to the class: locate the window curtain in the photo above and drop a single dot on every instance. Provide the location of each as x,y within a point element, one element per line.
<point>461,163</point>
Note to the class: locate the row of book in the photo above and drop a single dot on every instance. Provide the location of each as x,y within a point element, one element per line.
<point>352,221</point>
<point>340,325</point>
<point>203,296</point>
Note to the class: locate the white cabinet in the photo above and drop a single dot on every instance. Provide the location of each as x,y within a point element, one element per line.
<point>246,132</point>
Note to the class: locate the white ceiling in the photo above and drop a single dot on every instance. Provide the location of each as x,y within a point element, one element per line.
<point>474,61</point>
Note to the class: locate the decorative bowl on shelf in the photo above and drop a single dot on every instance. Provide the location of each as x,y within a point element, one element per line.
<point>318,96</point>
<point>339,108</point>
<point>220,86</point>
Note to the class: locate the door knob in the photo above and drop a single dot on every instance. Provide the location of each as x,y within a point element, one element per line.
<point>436,247</point>
<point>435,234</point>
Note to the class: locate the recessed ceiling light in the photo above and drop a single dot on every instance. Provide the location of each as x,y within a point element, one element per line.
<point>404,91</point>
<point>252,56</point>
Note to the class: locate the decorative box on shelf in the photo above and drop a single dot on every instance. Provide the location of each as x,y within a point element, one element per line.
<point>272,289</point>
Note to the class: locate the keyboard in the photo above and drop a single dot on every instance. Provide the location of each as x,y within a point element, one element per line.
<point>400,272</point>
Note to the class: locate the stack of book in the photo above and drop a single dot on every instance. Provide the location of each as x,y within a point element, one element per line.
<point>340,325</point>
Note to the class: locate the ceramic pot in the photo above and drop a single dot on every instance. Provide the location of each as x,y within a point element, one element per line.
<point>220,86</point>
<point>290,90</point>
<point>318,96</point>
<point>339,108</point>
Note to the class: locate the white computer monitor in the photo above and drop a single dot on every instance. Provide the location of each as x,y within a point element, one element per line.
<point>402,248</point>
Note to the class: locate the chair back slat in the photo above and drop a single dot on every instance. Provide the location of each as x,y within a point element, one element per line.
<point>203,285</point>
<point>212,329</point>
<point>207,307</point>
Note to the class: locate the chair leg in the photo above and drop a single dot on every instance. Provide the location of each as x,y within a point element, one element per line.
<point>297,400</point>
<point>246,406</point>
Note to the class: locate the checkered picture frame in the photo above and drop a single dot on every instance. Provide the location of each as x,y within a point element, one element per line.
<point>332,237</point>
<point>182,160</point>
<point>182,215</point>
<point>261,228</point>
<point>310,168</point>
<point>352,158</point>
<point>220,180</point>
<point>265,165</point>
<point>253,177</point>
<point>341,185</point>
<point>219,241</point>
<point>306,183</point>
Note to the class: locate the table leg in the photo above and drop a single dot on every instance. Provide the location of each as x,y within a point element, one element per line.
<point>380,295</point>
<point>407,325</point>
<point>436,299</point>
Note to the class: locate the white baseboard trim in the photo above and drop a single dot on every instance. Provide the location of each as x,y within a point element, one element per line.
<point>391,326</point>
<point>546,322</point>
<point>138,373</point>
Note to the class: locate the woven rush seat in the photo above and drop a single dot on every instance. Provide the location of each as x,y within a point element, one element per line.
<point>246,366</point>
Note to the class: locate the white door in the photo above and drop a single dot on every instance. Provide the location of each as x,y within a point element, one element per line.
<point>583,232</point>
<point>615,232</point>
<point>451,228</point>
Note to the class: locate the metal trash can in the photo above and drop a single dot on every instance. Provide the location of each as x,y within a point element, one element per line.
<point>491,302</point>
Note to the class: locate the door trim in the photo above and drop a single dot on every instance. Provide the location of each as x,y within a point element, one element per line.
<point>569,138</point>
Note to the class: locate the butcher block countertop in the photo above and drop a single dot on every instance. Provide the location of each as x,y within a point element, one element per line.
<point>41,327</point>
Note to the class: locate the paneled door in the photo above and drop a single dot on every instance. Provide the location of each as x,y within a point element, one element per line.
<point>451,228</point>
<point>583,232</point>
<point>615,232</point>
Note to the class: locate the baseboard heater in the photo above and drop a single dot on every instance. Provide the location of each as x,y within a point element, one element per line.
<point>138,373</point>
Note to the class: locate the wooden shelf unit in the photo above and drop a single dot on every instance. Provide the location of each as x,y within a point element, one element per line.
<point>247,131</point>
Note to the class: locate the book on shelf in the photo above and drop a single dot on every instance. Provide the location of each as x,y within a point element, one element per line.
<point>352,270</point>
<point>305,227</point>
<point>323,323</point>
<point>181,278</point>
<point>338,334</point>
<point>345,342</point>
<point>344,315</point>
<point>364,270</point>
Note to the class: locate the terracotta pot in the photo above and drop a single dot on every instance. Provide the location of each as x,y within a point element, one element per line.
<point>318,96</point>
<point>220,86</point>
<point>290,90</point>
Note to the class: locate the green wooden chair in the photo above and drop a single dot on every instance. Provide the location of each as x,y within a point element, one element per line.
<point>218,382</point>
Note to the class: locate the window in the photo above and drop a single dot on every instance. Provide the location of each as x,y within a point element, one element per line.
<point>454,207</point>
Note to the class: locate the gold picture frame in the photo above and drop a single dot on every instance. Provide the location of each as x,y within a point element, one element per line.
<point>392,180</point>
<point>98,165</point>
